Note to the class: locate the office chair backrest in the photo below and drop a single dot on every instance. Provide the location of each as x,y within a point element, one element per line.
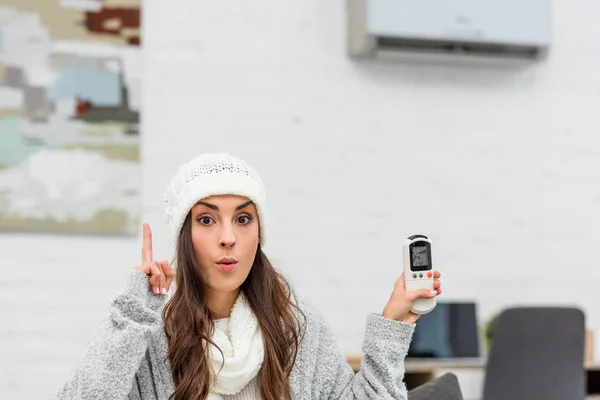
<point>537,353</point>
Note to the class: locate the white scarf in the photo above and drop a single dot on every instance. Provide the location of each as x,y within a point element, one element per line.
<point>242,347</point>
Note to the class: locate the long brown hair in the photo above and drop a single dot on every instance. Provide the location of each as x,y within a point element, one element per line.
<point>189,325</point>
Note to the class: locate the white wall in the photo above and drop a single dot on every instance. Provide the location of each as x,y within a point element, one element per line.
<point>500,166</point>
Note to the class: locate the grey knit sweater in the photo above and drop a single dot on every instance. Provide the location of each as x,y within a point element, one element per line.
<point>126,357</point>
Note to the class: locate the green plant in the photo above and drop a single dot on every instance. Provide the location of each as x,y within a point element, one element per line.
<point>489,329</point>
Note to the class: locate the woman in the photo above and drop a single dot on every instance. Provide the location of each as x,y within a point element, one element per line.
<point>233,328</point>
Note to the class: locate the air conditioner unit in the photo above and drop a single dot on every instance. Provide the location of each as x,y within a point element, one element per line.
<point>507,28</point>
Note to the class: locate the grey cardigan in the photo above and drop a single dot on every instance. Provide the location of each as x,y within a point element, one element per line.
<point>126,357</point>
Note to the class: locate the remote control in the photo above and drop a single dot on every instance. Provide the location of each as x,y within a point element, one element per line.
<point>418,270</point>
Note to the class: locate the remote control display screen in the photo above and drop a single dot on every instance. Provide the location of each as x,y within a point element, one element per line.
<point>420,257</point>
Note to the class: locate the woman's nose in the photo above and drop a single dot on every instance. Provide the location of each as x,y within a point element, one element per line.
<point>227,237</point>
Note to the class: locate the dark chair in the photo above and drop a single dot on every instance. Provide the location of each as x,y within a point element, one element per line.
<point>537,353</point>
<point>445,387</point>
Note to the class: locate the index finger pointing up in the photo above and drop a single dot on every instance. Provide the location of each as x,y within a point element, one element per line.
<point>147,244</point>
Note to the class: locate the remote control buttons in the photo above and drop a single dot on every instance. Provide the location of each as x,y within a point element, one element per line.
<point>420,275</point>
<point>415,276</point>
<point>429,274</point>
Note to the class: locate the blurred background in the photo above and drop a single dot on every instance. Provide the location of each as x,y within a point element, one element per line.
<point>496,159</point>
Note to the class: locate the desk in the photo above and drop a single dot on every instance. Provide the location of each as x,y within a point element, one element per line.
<point>421,371</point>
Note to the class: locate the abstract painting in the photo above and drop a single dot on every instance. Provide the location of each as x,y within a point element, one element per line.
<point>69,116</point>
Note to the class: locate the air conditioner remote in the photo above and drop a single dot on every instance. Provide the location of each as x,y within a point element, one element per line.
<point>418,271</point>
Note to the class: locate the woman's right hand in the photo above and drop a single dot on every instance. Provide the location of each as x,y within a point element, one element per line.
<point>160,273</point>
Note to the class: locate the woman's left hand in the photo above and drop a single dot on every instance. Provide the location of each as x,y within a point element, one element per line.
<point>400,302</point>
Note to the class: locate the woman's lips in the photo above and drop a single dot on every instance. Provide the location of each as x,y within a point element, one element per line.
<point>227,267</point>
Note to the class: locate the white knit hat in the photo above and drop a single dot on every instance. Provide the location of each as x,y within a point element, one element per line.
<point>207,175</point>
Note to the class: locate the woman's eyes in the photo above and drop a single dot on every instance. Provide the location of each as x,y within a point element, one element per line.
<point>243,219</point>
<point>205,220</point>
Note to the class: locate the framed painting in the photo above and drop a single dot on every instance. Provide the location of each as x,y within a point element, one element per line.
<point>69,116</point>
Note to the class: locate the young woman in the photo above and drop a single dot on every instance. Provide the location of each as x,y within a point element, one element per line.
<point>231,327</point>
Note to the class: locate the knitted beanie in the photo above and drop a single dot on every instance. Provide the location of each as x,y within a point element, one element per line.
<point>207,175</point>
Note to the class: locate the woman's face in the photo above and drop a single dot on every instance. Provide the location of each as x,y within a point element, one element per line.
<point>225,235</point>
